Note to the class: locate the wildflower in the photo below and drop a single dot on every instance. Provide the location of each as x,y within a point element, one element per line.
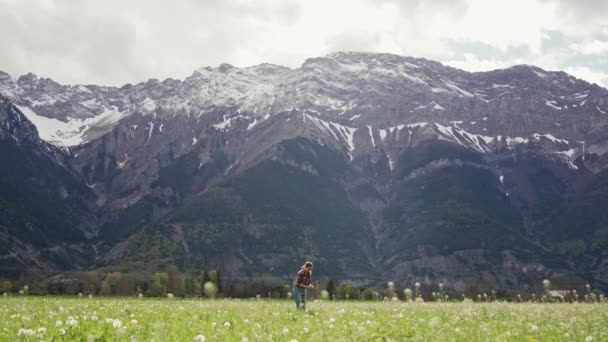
<point>141,295</point>
<point>27,332</point>
<point>457,330</point>
<point>566,335</point>
<point>331,320</point>
<point>170,296</point>
<point>245,339</point>
<point>61,331</point>
<point>227,324</point>
<point>305,330</point>
<point>94,318</point>
<point>71,321</point>
<point>199,337</point>
<point>117,324</point>
<point>285,331</point>
<point>534,327</point>
<point>133,321</point>
<point>213,324</point>
<point>588,338</point>
<point>41,330</point>
<point>58,323</point>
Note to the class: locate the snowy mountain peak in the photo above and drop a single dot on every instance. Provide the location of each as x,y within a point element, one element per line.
<point>355,89</point>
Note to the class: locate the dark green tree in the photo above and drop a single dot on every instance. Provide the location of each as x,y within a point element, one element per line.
<point>330,287</point>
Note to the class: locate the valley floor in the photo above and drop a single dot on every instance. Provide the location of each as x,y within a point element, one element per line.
<point>121,319</point>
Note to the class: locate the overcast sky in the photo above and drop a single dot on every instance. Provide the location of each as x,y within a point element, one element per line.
<point>114,42</point>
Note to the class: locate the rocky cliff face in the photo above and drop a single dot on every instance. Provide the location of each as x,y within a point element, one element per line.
<point>409,168</point>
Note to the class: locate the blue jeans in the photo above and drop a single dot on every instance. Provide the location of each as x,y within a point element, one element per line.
<point>299,294</point>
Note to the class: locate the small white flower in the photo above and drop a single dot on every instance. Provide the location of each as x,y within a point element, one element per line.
<point>94,318</point>
<point>71,321</point>
<point>588,338</point>
<point>457,330</point>
<point>294,340</point>
<point>331,320</point>
<point>61,331</point>
<point>227,324</point>
<point>117,324</point>
<point>27,332</point>
<point>534,327</point>
<point>305,330</point>
<point>200,338</point>
<point>213,324</point>
<point>285,330</point>
<point>41,330</point>
<point>245,339</point>
<point>133,321</point>
<point>566,335</point>
<point>58,323</point>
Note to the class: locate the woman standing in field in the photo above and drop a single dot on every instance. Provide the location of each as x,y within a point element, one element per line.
<point>301,283</point>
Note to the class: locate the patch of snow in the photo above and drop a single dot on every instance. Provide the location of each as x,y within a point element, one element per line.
<point>416,124</point>
<point>439,90</point>
<point>516,140</point>
<point>391,162</point>
<point>383,134</point>
<point>341,133</point>
<point>550,137</point>
<point>123,163</point>
<point>419,107</point>
<point>601,111</point>
<point>568,154</point>
<point>227,122</point>
<point>150,131</point>
<point>552,104</point>
<point>194,140</point>
<point>457,89</point>
<point>438,107</point>
<point>72,132</point>
<point>354,117</point>
<point>494,86</point>
<point>371,135</point>
<point>539,74</point>
<point>502,179</point>
<point>148,105</point>
<point>252,124</point>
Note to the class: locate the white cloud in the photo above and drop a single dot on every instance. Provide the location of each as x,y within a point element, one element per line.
<point>589,75</point>
<point>473,63</point>
<point>591,47</point>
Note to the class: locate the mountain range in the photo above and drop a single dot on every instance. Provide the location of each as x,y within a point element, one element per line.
<point>374,166</point>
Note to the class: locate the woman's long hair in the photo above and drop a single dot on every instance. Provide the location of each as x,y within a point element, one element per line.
<point>307,264</point>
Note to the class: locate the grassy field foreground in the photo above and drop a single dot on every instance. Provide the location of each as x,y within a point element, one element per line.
<point>120,319</point>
